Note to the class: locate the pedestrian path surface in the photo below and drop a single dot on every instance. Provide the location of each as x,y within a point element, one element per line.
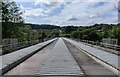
<point>12,59</point>
<point>60,62</point>
<point>107,57</point>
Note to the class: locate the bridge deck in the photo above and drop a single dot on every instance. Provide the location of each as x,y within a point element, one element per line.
<point>60,62</point>
<point>29,66</point>
<point>107,57</point>
<point>10,60</point>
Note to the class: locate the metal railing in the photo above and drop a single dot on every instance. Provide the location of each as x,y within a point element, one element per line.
<point>111,46</point>
<point>7,48</point>
<point>101,44</point>
<point>0,49</point>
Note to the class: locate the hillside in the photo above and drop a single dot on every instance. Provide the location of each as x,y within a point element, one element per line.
<point>42,26</point>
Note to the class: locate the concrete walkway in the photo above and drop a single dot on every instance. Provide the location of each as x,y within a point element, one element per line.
<point>107,57</point>
<point>29,66</point>
<point>12,59</point>
<point>60,63</point>
<point>90,67</point>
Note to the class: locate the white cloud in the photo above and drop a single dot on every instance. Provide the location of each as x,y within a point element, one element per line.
<point>48,1</point>
<point>86,14</point>
<point>43,10</point>
<point>35,13</point>
<point>77,12</point>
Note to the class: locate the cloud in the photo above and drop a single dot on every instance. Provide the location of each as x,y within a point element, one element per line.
<point>77,12</point>
<point>45,8</point>
<point>50,3</point>
<point>72,18</point>
<point>87,13</point>
<point>47,1</point>
<point>35,13</point>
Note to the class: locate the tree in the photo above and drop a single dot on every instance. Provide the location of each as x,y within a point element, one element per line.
<point>85,37</point>
<point>68,29</point>
<point>76,34</point>
<point>11,12</point>
<point>115,33</point>
<point>11,19</point>
<point>55,33</point>
<point>42,35</point>
<point>93,36</point>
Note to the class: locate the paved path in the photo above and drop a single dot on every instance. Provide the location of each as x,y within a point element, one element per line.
<point>60,63</point>
<point>107,57</point>
<point>113,51</point>
<point>30,66</point>
<point>90,67</point>
<point>12,59</point>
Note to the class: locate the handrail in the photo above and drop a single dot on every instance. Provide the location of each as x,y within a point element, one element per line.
<point>111,46</point>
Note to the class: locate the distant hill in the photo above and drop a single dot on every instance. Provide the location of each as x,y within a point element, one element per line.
<point>43,26</point>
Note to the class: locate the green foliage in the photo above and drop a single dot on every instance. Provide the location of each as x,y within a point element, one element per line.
<point>13,26</point>
<point>43,26</point>
<point>93,36</point>
<point>116,32</point>
<point>10,29</point>
<point>96,32</point>
<point>68,29</point>
<point>55,33</point>
<point>11,19</point>
<point>76,34</point>
<point>11,12</point>
<point>85,37</point>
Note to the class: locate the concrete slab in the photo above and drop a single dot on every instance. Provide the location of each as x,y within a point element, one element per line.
<point>60,63</point>
<point>107,57</point>
<point>29,66</point>
<point>12,59</point>
<point>89,65</point>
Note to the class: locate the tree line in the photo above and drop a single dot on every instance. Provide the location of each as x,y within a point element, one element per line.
<point>93,33</point>
<point>13,26</point>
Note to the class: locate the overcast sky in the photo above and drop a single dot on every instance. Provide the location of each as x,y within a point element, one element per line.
<point>69,12</point>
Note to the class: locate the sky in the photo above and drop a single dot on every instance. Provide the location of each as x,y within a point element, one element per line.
<point>69,12</point>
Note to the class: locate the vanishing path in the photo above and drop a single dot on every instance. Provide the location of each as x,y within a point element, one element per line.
<point>62,58</point>
<point>90,67</point>
<point>60,63</point>
<point>30,66</point>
